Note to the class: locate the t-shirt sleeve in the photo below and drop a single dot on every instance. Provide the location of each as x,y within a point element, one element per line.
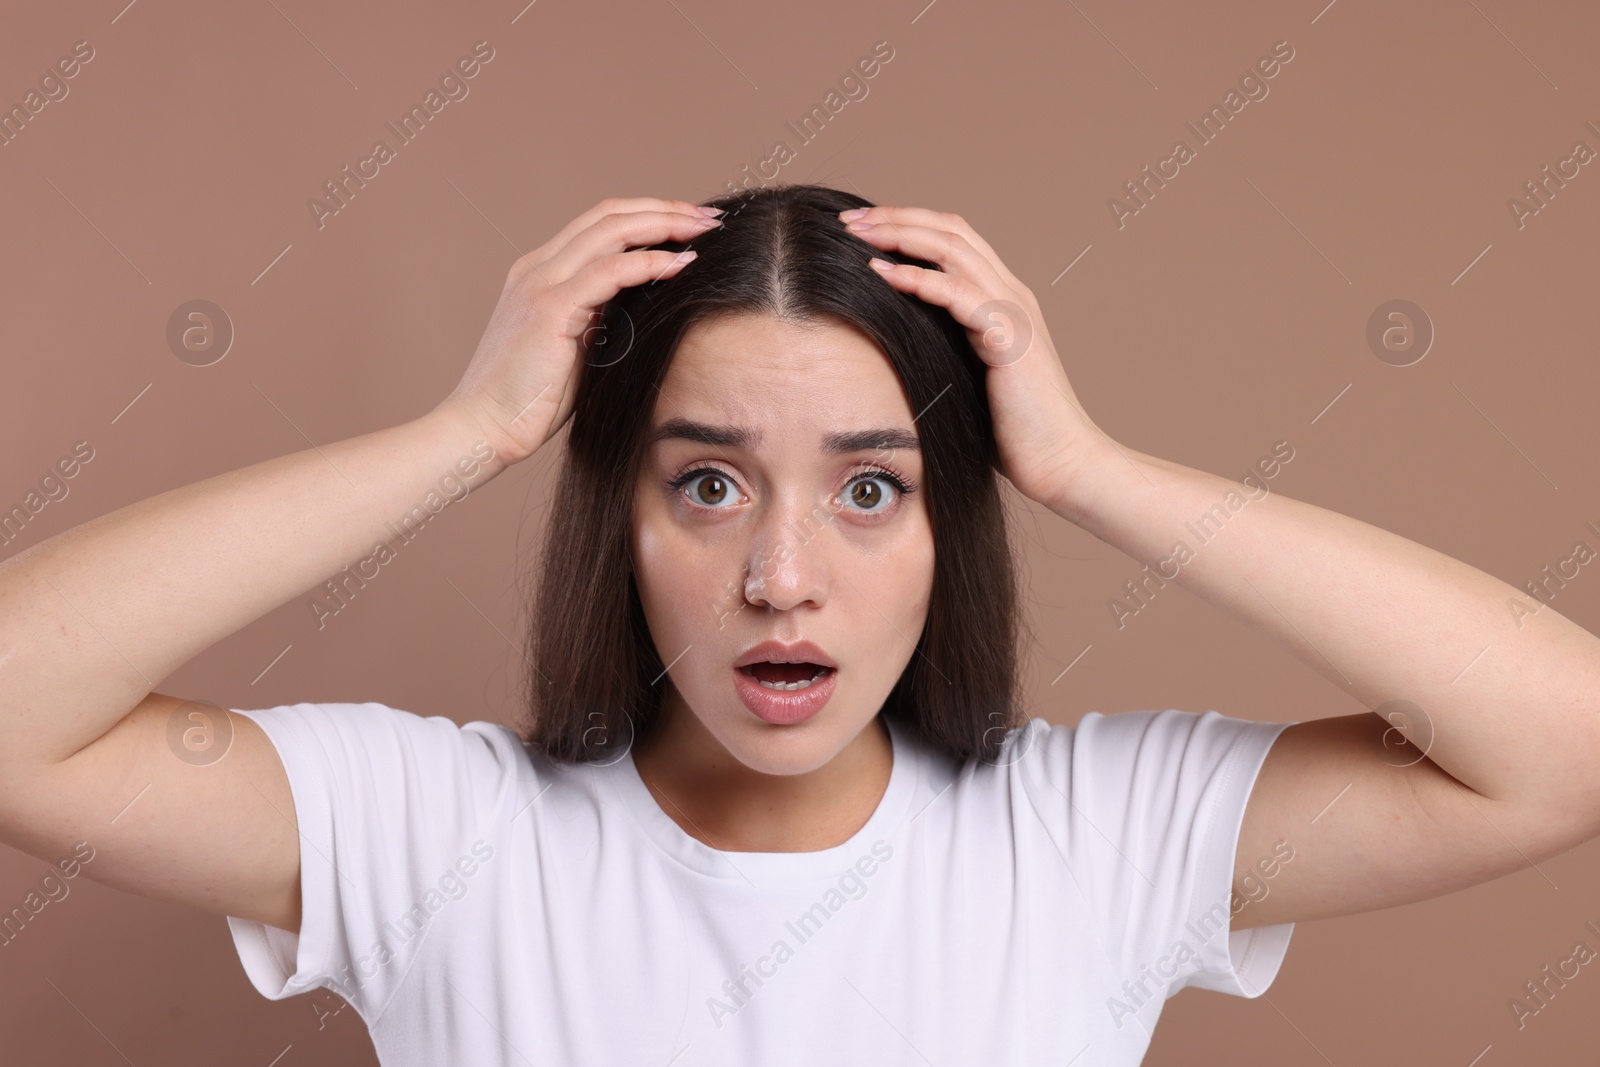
<point>1154,803</point>
<point>392,810</point>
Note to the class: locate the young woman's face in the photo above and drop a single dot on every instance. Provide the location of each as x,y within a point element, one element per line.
<point>757,518</point>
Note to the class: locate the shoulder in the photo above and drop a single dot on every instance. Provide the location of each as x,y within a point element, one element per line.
<point>1133,764</point>
<point>352,749</point>
<point>342,729</point>
<point>1128,740</point>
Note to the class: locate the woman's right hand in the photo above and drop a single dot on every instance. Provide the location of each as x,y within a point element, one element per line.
<point>520,385</point>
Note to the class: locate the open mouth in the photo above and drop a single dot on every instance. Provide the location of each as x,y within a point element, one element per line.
<point>786,677</point>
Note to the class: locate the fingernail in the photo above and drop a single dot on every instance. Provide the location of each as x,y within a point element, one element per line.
<point>853,213</point>
<point>859,225</point>
<point>685,256</point>
<point>881,264</point>
<point>708,212</point>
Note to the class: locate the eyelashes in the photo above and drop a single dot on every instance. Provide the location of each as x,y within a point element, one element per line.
<point>903,486</point>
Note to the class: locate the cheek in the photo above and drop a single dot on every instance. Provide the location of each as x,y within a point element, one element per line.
<point>889,589</point>
<point>652,555</point>
<point>679,583</point>
<point>913,575</point>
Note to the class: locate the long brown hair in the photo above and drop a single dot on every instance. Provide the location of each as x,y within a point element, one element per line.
<point>596,679</point>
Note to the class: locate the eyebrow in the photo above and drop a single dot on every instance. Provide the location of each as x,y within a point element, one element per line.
<point>746,438</point>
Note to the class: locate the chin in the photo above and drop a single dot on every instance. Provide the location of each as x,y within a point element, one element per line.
<point>784,750</point>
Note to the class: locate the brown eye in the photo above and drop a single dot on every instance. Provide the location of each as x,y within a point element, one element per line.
<point>869,495</point>
<point>712,489</point>
<point>708,489</point>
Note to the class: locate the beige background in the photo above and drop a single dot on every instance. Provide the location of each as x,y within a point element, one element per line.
<point>1224,317</point>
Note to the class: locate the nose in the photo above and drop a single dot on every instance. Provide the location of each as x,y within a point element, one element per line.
<point>787,562</point>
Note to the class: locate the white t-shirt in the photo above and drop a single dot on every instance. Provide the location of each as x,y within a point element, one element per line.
<point>480,904</point>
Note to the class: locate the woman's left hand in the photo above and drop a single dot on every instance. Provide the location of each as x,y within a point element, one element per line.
<point>1047,444</point>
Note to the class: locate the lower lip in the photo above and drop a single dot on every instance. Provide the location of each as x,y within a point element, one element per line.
<point>784,708</point>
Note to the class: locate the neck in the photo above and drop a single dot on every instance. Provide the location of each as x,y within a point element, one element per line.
<point>730,807</point>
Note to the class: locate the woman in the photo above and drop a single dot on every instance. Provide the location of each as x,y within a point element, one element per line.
<point>774,801</point>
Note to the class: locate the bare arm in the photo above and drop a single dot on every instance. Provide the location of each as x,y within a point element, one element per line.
<point>1496,694</point>
<point>93,619</point>
<point>1501,726</point>
<point>120,602</point>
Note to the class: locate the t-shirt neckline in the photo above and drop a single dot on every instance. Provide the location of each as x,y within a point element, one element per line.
<point>695,854</point>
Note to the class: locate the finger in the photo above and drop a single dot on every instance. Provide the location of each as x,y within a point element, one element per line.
<point>609,206</point>
<point>537,260</point>
<point>617,233</point>
<point>950,250</point>
<point>603,278</point>
<point>956,295</point>
<point>1004,330</point>
<point>883,214</point>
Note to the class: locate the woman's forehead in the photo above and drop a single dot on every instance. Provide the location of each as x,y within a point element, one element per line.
<point>751,438</point>
<point>765,342</point>
<point>756,370</point>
